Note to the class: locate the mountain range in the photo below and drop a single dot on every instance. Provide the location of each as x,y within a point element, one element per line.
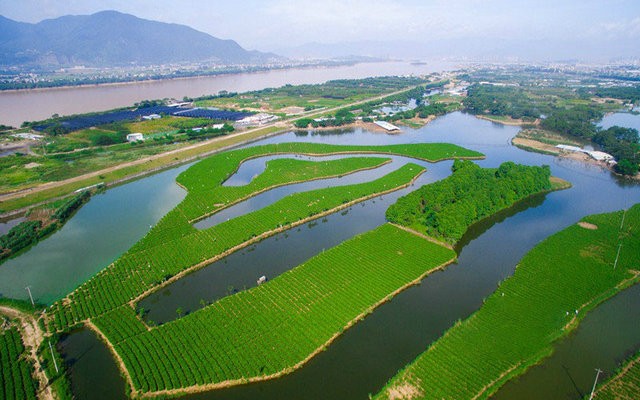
<point>111,38</point>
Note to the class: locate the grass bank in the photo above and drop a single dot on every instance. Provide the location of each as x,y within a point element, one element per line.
<point>275,328</point>
<point>553,288</point>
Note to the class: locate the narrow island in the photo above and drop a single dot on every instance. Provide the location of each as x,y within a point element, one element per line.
<point>555,285</point>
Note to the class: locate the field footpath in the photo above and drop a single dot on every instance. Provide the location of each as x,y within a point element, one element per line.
<point>32,337</point>
<point>60,189</point>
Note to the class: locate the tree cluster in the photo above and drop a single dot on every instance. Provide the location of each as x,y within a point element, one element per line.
<point>446,209</point>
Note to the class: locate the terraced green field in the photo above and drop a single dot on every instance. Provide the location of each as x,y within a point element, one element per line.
<point>174,245</point>
<point>273,328</point>
<point>552,289</point>
<point>16,381</point>
<point>625,385</point>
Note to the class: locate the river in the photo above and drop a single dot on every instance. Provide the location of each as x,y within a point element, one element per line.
<point>17,106</point>
<point>367,355</point>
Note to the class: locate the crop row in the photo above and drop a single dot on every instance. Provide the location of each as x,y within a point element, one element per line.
<point>553,287</point>
<point>145,267</point>
<point>625,385</point>
<point>271,328</point>
<point>281,172</point>
<point>16,381</point>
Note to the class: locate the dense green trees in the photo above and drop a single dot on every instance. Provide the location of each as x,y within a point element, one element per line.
<point>16,381</point>
<point>576,121</point>
<point>622,143</point>
<point>501,100</point>
<point>446,209</point>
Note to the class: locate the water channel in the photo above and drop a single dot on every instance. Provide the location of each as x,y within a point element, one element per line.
<point>370,353</point>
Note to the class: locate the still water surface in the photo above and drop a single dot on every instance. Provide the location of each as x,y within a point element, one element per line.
<point>33,105</point>
<point>371,352</point>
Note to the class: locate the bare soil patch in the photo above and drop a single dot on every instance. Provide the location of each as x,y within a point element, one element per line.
<point>587,225</point>
<point>534,144</point>
<point>406,391</point>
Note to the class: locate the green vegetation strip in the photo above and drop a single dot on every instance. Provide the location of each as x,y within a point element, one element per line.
<point>175,249</point>
<point>174,246</point>
<point>16,381</point>
<point>201,179</point>
<point>274,328</point>
<point>30,232</point>
<point>445,209</point>
<point>624,385</point>
<point>552,289</point>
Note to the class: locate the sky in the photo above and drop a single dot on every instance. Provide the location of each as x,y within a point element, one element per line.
<point>269,25</point>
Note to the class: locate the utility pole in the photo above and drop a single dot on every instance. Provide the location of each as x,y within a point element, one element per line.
<point>55,363</point>
<point>30,296</point>
<point>595,382</point>
<point>617,255</point>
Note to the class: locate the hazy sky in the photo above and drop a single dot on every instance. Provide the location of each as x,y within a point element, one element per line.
<point>272,24</point>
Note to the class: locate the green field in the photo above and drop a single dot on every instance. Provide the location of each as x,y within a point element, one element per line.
<point>273,328</point>
<point>174,245</point>
<point>16,381</point>
<point>445,209</point>
<point>309,97</point>
<point>625,385</point>
<point>553,288</point>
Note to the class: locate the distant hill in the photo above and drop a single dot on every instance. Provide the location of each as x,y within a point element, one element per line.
<point>111,38</point>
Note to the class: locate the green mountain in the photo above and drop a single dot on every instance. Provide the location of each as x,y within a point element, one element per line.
<point>110,38</point>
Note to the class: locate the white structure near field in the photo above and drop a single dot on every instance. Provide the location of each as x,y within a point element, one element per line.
<point>385,125</point>
<point>257,119</point>
<point>135,137</point>
<point>29,136</point>
<point>151,117</point>
<point>596,155</point>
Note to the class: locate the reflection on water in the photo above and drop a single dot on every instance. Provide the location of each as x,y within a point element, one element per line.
<point>97,234</point>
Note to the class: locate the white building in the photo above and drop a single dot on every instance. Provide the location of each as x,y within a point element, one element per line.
<point>385,125</point>
<point>257,119</point>
<point>29,136</point>
<point>566,147</point>
<point>135,137</point>
<point>151,116</point>
<point>600,155</point>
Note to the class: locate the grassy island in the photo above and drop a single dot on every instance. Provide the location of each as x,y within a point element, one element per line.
<point>445,209</point>
<point>553,288</point>
<point>272,329</point>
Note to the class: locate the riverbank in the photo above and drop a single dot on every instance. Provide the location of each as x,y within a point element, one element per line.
<point>414,123</point>
<point>201,74</point>
<point>19,201</point>
<point>544,142</point>
<point>507,120</point>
